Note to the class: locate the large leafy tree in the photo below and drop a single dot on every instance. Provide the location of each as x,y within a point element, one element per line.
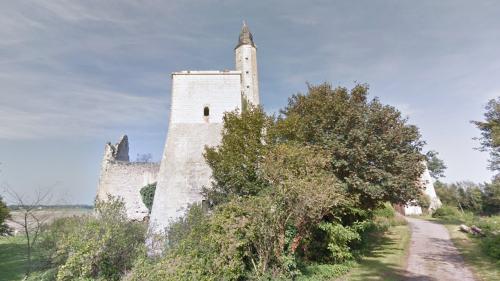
<point>372,148</point>
<point>435,165</point>
<point>490,133</point>
<point>235,162</point>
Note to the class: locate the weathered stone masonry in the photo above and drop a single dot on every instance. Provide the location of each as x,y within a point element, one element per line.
<point>122,178</point>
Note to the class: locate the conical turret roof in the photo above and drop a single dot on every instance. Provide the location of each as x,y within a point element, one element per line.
<point>246,37</point>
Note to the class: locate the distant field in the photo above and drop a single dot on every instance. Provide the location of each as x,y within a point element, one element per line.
<point>48,215</point>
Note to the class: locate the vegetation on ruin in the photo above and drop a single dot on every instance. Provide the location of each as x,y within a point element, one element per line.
<point>148,195</point>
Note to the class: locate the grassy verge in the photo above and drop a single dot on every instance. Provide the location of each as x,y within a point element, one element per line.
<point>13,260</point>
<point>484,267</point>
<point>387,260</point>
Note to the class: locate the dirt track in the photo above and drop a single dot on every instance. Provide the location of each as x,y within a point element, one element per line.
<point>432,255</point>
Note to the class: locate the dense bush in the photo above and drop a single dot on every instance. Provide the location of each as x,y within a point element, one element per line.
<point>100,246</point>
<point>292,191</point>
<point>4,214</point>
<point>490,245</point>
<point>148,195</point>
<point>446,212</point>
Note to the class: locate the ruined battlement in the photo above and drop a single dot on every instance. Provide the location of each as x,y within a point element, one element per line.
<point>122,178</point>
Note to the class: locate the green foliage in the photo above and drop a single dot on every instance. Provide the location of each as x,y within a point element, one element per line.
<point>385,217</point>
<point>234,163</point>
<point>201,248</point>
<point>435,165</point>
<point>447,193</point>
<point>339,237</point>
<point>490,247</point>
<point>325,272</point>
<point>4,214</point>
<point>446,212</point>
<point>148,195</point>
<point>468,196</point>
<point>490,132</point>
<point>295,190</point>
<point>424,201</point>
<point>491,197</point>
<point>372,148</point>
<point>103,246</point>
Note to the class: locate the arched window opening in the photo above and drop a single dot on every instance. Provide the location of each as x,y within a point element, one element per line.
<point>206,111</point>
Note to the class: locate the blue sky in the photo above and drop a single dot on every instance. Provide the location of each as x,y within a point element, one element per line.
<point>76,74</point>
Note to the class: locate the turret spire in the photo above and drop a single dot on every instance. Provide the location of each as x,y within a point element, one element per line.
<point>246,37</point>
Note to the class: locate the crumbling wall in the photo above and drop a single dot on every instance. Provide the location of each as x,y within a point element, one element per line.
<point>121,178</point>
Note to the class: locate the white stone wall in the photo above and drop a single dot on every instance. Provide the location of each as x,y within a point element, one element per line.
<point>125,179</point>
<point>428,184</point>
<point>193,90</point>
<point>183,171</point>
<point>246,62</point>
<point>429,190</point>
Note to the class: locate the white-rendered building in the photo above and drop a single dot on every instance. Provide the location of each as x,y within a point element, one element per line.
<point>428,184</point>
<point>199,100</point>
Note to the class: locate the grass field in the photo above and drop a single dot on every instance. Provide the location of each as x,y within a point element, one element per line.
<point>13,248</point>
<point>387,260</point>
<point>12,258</point>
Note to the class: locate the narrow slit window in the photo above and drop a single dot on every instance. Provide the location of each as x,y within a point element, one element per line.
<point>206,111</point>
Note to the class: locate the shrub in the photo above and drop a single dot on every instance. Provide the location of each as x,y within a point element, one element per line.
<point>446,212</point>
<point>385,217</point>
<point>424,201</point>
<point>4,214</point>
<point>490,245</point>
<point>103,246</point>
<point>148,195</point>
<point>324,272</point>
<point>339,237</point>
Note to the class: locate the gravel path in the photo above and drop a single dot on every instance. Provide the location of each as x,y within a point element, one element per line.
<point>432,255</point>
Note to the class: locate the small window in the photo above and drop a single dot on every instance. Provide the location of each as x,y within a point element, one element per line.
<point>248,87</point>
<point>246,72</point>
<point>206,111</point>
<point>246,58</point>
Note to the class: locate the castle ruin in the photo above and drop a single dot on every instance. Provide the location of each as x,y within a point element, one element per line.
<point>122,178</point>
<point>199,100</point>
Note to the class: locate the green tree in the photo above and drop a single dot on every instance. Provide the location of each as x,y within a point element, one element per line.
<point>448,194</point>
<point>490,133</point>
<point>234,162</point>
<point>435,165</point>
<point>4,215</point>
<point>372,148</point>
<point>491,198</point>
<point>148,195</point>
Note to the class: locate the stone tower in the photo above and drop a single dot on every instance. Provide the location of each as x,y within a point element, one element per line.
<point>199,101</point>
<point>246,62</point>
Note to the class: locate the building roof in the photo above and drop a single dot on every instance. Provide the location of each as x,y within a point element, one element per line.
<point>246,37</point>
